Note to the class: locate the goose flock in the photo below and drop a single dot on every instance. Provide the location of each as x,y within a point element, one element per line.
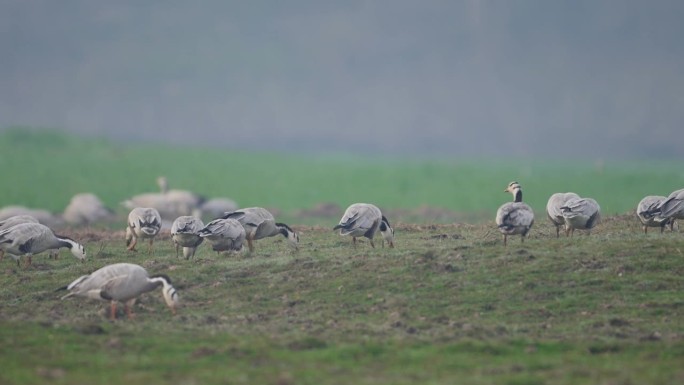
<point>24,235</point>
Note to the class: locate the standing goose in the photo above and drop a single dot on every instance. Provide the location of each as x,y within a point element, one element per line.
<point>364,220</point>
<point>259,223</point>
<point>553,209</point>
<point>143,223</point>
<point>224,234</point>
<point>122,282</point>
<point>32,238</point>
<point>185,234</point>
<point>514,217</point>
<point>649,214</point>
<point>580,213</point>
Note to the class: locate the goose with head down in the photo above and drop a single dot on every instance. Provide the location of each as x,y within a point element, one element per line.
<point>648,213</point>
<point>553,209</point>
<point>259,223</point>
<point>672,207</point>
<point>27,239</point>
<point>143,223</point>
<point>121,282</point>
<point>364,220</point>
<point>580,214</point>
<point>185,233</point>
<point>515,217</point>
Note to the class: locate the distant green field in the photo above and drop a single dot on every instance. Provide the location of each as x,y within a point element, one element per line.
<point>45,169</point>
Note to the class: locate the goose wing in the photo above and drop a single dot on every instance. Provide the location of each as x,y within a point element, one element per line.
<point>514,214</point>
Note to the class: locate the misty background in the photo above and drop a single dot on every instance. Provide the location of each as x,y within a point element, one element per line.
<point>569,79</point>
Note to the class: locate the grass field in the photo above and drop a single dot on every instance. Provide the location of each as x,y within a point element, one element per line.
<point>450,304</point>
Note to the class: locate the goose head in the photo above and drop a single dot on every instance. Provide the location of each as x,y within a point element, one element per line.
<point>515,189</point>
<point>291,235</point>
<point>168,291</point>
<point>387,231</point>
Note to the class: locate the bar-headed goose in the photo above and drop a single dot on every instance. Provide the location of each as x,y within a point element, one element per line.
<point>553,209</point>
<point>580,213</point>
<point>260,223</point>
<point>26,239</point>
<point>364,220</point>
<point>514,217</point>
<point>143,223</point>
<point>185,233</point>
<point>85,209</point>
<point>224,234</point>
<point>673,206</point>
<point>649,214</point>
<point>121,282</point>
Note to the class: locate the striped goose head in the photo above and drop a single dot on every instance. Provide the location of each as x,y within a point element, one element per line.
<point>515,189</point>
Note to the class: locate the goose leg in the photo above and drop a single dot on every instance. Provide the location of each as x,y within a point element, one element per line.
<point>177,247</point>
<point>2,254</point>
<point>133,242</point>
<point>112,311</point>
<point>127,309</point>
<point>505,239</point>
<point>249,242</point>
<point>150,248</point>
<point>371,242</point>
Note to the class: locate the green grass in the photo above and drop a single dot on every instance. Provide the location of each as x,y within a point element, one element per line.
<point>448,304</point>
<point>48,168</point>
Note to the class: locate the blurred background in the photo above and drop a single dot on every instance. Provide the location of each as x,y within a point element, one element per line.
<point>563,79</point>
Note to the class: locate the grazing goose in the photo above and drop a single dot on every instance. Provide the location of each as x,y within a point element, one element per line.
<point>85,209</point>
<point>649,214</point>
<point>259,223</point>
<point>32,238</point>
<point>122,282</point>
<point>673,206</point>
<point>364,220</point>
<point>185,234</point>
<point>18,219</point>
<point>224,234</point>
<point>143,223</point>
<point>580,213</point>
<point>514,217</point>
<point>553,208</point>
